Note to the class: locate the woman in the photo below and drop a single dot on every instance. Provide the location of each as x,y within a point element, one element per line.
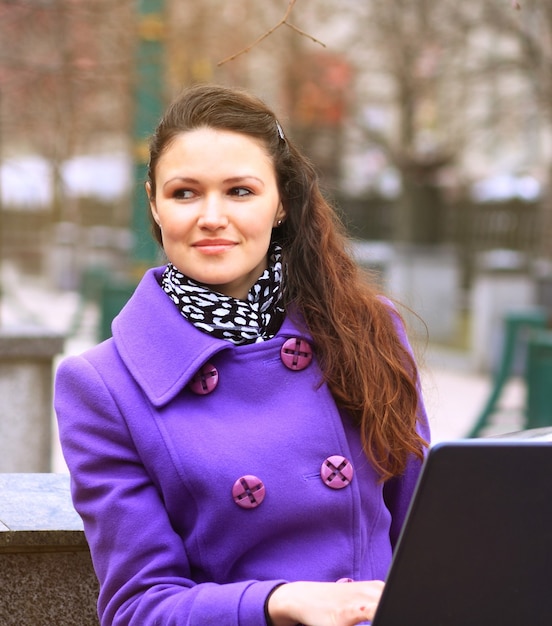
<point>251,434</point>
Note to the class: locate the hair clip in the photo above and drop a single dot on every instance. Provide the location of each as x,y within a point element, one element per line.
<point>280,131</point>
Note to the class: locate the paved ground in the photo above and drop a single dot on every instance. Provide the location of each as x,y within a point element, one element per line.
<point>455,397</point>
<point>453,393</point>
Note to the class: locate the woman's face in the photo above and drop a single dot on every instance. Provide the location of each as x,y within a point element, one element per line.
<point>216,203</point>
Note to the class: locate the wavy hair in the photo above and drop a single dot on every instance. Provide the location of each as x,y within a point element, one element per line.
<point>368,369</point>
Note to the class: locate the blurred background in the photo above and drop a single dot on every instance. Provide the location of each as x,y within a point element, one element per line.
<point>430,123</point>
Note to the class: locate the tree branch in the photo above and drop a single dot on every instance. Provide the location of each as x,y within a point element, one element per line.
<point>304,34</point>
<point>282,22</point>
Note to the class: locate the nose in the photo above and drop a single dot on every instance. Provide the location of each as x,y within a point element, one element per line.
<point>213,213</point>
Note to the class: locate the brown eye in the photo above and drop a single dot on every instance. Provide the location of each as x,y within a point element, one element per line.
<point>241,192</point>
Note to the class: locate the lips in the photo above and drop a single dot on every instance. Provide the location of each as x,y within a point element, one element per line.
<point>214,246</point>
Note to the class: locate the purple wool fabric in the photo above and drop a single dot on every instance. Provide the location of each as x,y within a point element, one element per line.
<point>154,465</point>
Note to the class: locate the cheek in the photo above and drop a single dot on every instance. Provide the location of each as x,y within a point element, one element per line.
<point>261,227</point>
<point>261,235</point>
<point>173,223</point>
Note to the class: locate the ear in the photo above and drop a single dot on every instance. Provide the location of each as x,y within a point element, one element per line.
<point>153,207</point>
<point>280,213</point>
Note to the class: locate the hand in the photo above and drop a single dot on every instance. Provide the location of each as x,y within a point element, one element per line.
<point>324,604</point>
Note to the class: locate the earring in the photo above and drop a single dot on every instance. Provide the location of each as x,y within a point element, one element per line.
<point>278,223</point>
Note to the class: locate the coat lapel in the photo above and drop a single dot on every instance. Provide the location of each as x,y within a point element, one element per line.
<point>161,350</point>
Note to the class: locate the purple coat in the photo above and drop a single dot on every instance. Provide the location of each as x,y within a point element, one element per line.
<point>154,465</point>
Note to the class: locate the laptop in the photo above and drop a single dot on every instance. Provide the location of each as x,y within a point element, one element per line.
<point>476,547</point>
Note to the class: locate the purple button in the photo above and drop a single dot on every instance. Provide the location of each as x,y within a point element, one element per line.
<point>205,380</point>
<point>296,354</point>
<point>336,472</point>
<point>248,492</point>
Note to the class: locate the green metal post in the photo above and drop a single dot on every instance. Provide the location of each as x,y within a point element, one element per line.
<point>515,323</point>
<point>149,106</point>
<point>148,109</point>
<point>539,380</point>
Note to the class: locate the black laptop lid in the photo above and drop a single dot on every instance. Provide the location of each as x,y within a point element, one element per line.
<point>476,549</point>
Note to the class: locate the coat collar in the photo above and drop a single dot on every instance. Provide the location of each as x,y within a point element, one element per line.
<point>159,347</point>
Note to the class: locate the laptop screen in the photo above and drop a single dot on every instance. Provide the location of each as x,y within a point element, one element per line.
<point>476,548</point>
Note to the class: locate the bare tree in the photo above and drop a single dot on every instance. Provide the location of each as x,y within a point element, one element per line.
<point>411,60</point>
<point>527,25</point>
<point>64,75</point>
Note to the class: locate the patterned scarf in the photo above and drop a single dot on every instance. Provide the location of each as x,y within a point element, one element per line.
<point>240,321</point>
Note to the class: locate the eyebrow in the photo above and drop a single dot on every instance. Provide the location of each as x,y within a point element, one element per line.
<point>227,181</point>
<point>239,179</point>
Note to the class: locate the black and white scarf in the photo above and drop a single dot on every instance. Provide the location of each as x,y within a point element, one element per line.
<point>240,321</point>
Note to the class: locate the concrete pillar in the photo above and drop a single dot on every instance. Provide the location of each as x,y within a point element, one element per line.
<point>426,279</point>
<point>502,285</point>
<point>26,373</point>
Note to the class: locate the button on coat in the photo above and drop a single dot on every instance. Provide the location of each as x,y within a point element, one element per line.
<point>205,380</point>
<point>296,354</point>
<point>336,472</point>
<point>248,492</point>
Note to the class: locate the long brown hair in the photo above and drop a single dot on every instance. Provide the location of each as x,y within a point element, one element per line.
<point>369,371</point>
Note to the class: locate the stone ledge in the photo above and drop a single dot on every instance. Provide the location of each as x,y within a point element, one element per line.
<point>24,343</point>
<point>46,573</point>
<point>36,504</point>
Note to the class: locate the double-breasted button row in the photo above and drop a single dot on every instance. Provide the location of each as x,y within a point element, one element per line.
<point>249,491</point>
<point>296,355</point>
